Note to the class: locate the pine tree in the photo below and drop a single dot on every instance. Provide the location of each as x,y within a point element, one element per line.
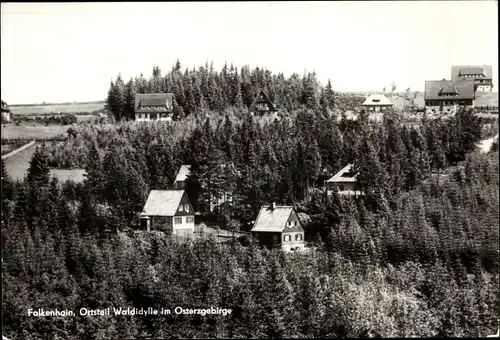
<point>129,100</point>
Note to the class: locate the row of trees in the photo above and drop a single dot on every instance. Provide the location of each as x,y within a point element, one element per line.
<point>205,89</point>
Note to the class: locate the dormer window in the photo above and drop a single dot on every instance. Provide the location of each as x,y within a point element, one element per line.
<point>375,100</point>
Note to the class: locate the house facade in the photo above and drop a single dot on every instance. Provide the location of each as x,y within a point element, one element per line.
<point>482,76</point>
<point>447,96</point>
<point>169,211</point>
<point>344,183</point>
<point>262,105</point>
<point>377,103</point>
<point>153,107</point>
<point>279,226</point>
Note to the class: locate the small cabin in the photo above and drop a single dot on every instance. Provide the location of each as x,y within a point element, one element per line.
<point>279,226</point>
<point>344,182</point>
<point>377,103</point>
<point>169,211</point>
<point>262,105</point>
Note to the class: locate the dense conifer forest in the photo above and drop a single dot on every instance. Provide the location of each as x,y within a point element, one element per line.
<point>416,256</point>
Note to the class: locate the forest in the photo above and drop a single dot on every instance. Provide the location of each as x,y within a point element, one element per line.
<point>416,256</point>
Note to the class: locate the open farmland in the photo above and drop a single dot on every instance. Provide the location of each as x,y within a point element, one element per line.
<point>38,132</point>
<point>52,108</point>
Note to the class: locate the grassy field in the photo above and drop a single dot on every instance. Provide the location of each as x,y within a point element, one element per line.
<point>17,167</point>
<point>51,108</point>
<point>63,175</point>
<point>33,131</point>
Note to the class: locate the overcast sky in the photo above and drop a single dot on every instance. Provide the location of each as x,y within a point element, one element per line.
<point>69,52</point>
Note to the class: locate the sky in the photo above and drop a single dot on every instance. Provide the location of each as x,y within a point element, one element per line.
<point>68,52</point>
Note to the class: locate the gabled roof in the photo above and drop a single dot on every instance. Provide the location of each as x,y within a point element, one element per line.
<point>434,89</point>
<point>343,175</point>
<point>272,219</point>
<point>377,99</point>
<point>154,99</point>
<point>262,97</point>
<point>183,173</point>
<point>162,202</point>
<point>458,71</point>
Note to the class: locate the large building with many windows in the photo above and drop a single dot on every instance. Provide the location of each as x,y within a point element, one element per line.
<point>446,96</point>
<point>481,75</point>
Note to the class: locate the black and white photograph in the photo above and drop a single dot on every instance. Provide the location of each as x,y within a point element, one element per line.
<point>249,170</point>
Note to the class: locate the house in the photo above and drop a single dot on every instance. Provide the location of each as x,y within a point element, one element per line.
<point>377,103</point>
<point>279,226</point>
<point>481,75</point>
<point>169,211</point>
<point>262,105</point>
<point>448,95</point>
<point>153,106</point>
<point>344,183</point>
<point>182,175</point>
<point>6,114</point>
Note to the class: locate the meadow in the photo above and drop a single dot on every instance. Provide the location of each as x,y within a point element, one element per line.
<point>18,164</point>
<point>30,132</point>
<point>57,108</point>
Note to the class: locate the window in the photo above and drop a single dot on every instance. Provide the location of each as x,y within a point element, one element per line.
<point>181,207</point>
<point>298,237</point>
<point>341,187</point>
<point>294,223</point>
<point>289,224</point>
<point>189,219</point>
<point>177,220</point>
<point>186,207</point>
<point>287,238</point>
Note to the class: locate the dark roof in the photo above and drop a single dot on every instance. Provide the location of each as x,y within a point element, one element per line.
<point>153,99</point>
<point>457,71</point>
<point>272,219</point>
<point>262,97</point>
<point>435,89</point>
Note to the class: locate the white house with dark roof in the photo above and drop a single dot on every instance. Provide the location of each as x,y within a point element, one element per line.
<point>377,103</point>
<point>169,211</point>
<point>153,106</point>
<point>344,183</point>
<point>481,75</point>
<point>279,226</point>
